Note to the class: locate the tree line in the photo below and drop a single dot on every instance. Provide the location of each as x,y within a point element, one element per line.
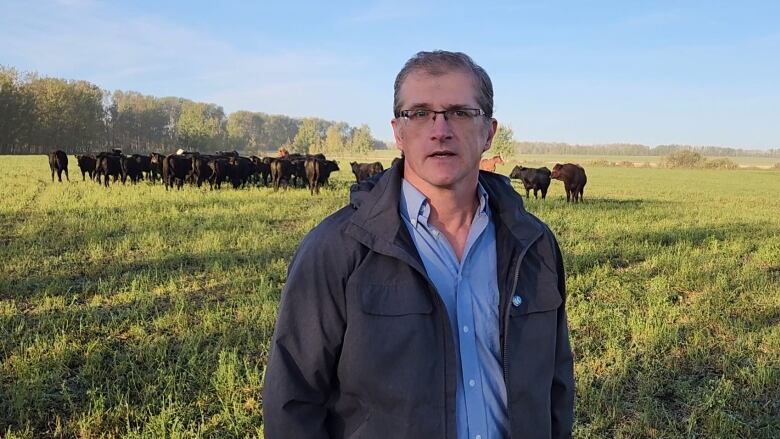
<point>636,149</point>
<point>40,114</point>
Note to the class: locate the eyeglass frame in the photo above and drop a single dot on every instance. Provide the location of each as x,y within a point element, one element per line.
<point>405,113</point>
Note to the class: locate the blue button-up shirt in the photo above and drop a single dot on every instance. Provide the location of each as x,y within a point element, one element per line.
<point>469,291</point>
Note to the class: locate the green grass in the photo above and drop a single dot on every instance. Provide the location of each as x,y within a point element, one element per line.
<point>136,312</point>
<point>550,159</point>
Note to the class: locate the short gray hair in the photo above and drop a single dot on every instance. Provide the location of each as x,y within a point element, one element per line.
<point>440,62</point>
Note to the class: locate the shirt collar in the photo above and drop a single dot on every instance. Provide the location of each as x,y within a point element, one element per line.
<point>414,205</point>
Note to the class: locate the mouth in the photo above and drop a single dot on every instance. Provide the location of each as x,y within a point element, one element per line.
<point>442,154</point>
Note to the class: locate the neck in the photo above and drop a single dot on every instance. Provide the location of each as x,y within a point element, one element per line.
<point>451,208</point>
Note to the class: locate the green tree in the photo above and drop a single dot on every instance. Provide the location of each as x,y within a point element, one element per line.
<point>504,143</point>
<point>16,113</point>
<point>361,141</point>
<point>136,122</point>
<point>335,138</point>
<point>245,130</point>
<point>68,114</point>
<point>278,130</point>
<point>308,138</point>
<point>684,159</point>
<point>201,126</point>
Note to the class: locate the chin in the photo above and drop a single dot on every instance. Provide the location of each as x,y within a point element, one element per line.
<point>442,181</point>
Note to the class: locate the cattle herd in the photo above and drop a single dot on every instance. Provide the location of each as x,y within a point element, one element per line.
<point>174,170</point>
<point>311,171</point>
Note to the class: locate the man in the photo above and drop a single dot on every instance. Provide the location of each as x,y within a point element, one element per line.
<point>432,306</point>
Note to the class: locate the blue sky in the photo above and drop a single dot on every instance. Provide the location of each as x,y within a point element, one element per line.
<point>692,72</point>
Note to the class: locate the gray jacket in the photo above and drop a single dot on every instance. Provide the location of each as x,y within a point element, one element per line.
<point>363,347</point>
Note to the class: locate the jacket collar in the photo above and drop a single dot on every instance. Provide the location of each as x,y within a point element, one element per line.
<point>377,222</point>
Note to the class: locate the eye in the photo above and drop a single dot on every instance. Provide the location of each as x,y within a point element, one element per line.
<point>460,114</point>
<point>419,114</point>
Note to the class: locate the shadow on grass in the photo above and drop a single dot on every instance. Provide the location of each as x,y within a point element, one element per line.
<point>103,276</point>
<point>125,363</point>
<point>622,251</point>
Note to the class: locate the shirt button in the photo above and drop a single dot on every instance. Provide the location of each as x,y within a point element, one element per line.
<point>472,383</point>
<point>479,436</point>
<point>517,300</point>
<point>414,223</point>
<point>465,329</point>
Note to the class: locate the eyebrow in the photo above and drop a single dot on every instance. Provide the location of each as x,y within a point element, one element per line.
<point>425,106</point>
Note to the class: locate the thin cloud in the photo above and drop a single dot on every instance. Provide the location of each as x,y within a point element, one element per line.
<point>386,11</point>
<point>651,20</point>
<point>114,50</point>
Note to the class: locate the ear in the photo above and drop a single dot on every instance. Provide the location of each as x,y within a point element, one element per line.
<point>492,129</point>
<point>398,135</point>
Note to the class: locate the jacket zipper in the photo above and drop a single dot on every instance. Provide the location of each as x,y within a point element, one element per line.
<point>507,307</point>
<point>508,300</point>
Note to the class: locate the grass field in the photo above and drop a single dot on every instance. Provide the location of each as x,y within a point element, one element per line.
<point>136,312</point>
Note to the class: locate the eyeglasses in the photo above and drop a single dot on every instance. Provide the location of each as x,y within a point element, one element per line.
<point>455,116</point>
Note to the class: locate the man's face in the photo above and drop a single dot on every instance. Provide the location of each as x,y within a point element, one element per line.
<point>441,154</point>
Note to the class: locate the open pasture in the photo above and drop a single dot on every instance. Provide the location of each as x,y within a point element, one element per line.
<point>136,312</point>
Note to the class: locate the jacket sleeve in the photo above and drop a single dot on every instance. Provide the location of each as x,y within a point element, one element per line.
<point>299,379</point>
<point>562,392</point>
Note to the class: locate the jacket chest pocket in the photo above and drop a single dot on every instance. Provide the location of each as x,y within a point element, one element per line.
<point>546,299</point>
<point>393,345</point>
<point>394,300</point>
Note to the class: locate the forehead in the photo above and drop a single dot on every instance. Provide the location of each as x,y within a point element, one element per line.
<point>421,88</point>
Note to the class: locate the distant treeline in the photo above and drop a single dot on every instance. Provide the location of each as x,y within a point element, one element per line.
<point>634,149</point>
<point>39,114</point>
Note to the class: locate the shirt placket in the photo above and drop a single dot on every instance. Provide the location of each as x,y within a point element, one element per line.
<point>470,368</point>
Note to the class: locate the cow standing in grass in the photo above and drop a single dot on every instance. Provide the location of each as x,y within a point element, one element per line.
<point>176,169</point>
<point>537,179</point>
<point>490,164</point>
<point>155,166</point>
<point>109,164</point>
<point>364,171</point>
<point>87,164</point>
<point>281,170</point>
<point>58,162</point>
<point>317,172</point>
<point>131,168</point>
<point>263,165</point>
<point>573,178</point>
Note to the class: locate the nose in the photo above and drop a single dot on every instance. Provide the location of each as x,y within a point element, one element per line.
<point>441,129</point>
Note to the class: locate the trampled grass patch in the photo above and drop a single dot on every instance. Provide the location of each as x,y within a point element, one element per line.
<point>136,312</point>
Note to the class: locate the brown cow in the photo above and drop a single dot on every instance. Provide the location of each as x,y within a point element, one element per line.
<point>573,178</point>
<point>490,164</point>
<point>58,162</point>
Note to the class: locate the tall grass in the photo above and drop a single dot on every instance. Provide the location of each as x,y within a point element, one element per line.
<point>136,312</point>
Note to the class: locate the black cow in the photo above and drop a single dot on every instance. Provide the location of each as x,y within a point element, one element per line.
<point>144,165</point>
<point>263,165</point>
<point>537,179</point>
<point>298,170</point>
<point>58,162</point>
<point>364,171</point>
<point>87,164</point>
<point>108,165</point>
<point>155,166</point>
<point>573,178</point>
<point>200,168</point>
<point>281,170</point>
<point>318,171</point>
<point>240,171</point>
<point>219,169</point>
<point>131,168</point>
<point>176,169</point>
